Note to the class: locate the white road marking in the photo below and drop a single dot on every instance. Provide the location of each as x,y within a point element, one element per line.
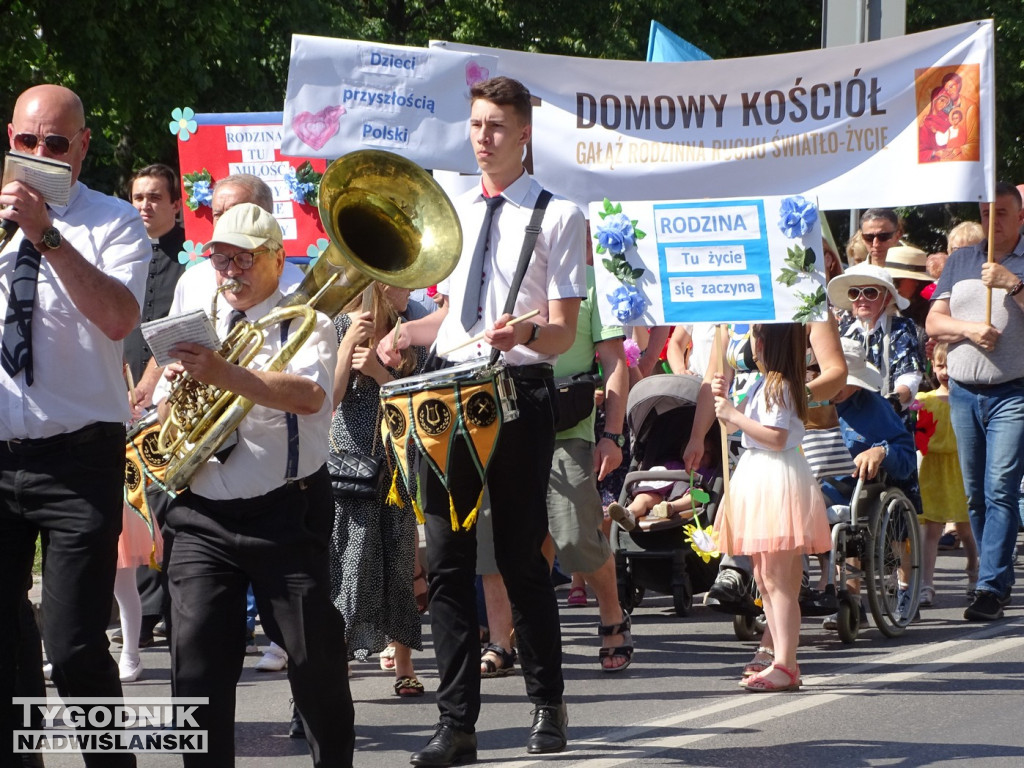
<point>817,691</point>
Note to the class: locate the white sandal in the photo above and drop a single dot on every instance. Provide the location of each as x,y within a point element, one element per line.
<point>387,659</point>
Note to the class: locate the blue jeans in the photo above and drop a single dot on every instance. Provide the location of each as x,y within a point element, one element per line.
<point>250,611</point>
<point>989,426</point>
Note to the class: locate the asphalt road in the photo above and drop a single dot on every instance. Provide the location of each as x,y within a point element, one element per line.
<point>947,693</point>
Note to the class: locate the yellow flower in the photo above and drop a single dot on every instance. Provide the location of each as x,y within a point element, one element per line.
<point>702,540</point>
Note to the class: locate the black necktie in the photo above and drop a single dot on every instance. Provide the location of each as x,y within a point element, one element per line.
<point>235,318</point>
<point>16,353</point>
<point>472,304</point>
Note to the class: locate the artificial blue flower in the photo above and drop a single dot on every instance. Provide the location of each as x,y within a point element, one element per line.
<point>301,190</point>
<point>615,234</point>
<point>797,216</point>
<point>182,125</point>
<point>190,253</point>
<point>202,193</point>
<point>627,303</point>
<point>315,250</point>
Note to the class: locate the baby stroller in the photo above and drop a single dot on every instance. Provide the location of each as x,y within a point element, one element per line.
<point>659,416</point>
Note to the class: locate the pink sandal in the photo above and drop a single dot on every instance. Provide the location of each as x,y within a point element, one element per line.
<point>761,683</point>
<point>577,598</point>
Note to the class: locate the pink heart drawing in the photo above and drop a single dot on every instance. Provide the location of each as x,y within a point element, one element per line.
<point>317,129</point>
<point>475,73</point>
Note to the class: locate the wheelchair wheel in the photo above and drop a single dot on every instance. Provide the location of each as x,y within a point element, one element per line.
<point>748,627</point>
<point>848,619</point>
<point>894,539</point>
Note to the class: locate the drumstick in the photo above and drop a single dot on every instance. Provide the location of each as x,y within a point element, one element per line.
<point>480,336</point>
<point>394,335</point>
<point>131,385</point>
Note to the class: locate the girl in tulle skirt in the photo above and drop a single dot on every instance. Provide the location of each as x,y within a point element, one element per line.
<point>774,510</point>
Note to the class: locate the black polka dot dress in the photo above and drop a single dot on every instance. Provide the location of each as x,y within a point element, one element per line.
<point>373,543</point>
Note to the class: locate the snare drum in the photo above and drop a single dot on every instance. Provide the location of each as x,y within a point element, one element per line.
<point>429,410</point>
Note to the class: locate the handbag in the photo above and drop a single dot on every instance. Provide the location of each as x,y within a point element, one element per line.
<point>353,475</point>
<point>574,399</point>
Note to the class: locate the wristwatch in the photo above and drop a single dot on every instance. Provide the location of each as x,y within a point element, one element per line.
<point>616,437</point>
<point>51,239</point>
<point>533,335</point>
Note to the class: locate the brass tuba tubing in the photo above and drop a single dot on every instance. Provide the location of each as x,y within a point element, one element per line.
<point>387,220</point>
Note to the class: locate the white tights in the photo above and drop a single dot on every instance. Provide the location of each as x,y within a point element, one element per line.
<point>130,606</point>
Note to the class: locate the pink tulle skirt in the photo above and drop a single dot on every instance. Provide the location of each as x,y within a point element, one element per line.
<point>774,505</point>
<point>137,545</point>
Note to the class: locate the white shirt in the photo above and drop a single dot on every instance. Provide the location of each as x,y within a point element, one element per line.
<point>78,377</point>
<point>703,337</point>
<point>258,463</point>
<point>199,283</point>
<point>779,416</point>
<point>557,269</point>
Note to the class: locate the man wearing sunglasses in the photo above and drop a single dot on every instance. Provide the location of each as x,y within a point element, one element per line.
<point>261,514</point>
<point>880,228</point>
<point>986,389</point>
<point>71,283</point>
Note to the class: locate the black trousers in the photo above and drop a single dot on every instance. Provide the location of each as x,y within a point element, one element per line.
<point>278,542</point>
<point>68,489</point>
<point>518,481</point>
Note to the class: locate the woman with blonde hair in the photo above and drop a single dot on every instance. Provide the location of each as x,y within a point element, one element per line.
<point>964,234</point>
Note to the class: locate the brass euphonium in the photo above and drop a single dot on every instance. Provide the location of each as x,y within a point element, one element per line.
<point>387,220</point>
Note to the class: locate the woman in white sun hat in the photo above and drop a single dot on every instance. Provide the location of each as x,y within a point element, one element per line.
<point>871,318</point>
<point>871,301</point>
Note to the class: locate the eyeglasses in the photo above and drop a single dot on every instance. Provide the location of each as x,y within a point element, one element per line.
<point>55,144</point>
<point>869,292</point>
<point>242,259</point>
<point>882,237</point>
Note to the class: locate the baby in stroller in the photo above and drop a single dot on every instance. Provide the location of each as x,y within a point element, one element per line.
<point>661,556</point>
<point>658,504</point>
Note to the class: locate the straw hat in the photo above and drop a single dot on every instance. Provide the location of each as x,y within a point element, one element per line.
<point>862,274</point>
<point>907,261</point>
<point>859,371</point>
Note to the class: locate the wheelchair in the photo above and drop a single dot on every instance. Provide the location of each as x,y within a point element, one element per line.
<point>880,538</point>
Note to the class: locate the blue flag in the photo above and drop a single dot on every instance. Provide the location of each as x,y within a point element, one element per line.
<point>666,45</point>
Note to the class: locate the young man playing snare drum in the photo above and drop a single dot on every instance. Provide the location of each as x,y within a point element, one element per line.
<point>554,284</point>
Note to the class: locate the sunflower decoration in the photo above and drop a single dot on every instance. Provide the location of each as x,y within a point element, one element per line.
<point>701,539</point>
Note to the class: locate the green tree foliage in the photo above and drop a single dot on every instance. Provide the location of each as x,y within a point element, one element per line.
<point>132,62</point>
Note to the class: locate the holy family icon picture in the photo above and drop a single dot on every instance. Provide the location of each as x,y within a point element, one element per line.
<point>947,109</point>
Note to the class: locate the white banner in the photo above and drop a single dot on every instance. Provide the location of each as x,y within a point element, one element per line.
<point>902,121</point>
<point>727,260</point>
<point>346,95</point>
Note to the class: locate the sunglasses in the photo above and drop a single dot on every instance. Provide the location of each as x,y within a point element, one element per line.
<point>882,237</point>
<point>870,293</point>
<point>55,145</point>
<point>242,259</point>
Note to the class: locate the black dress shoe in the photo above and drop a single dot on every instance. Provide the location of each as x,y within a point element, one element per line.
<point>550,722</point>
<point>296,729</point>
<point>448,747</point>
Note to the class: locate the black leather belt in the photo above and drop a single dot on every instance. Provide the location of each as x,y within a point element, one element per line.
<point>39,446</point>
<point>531,372</point>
